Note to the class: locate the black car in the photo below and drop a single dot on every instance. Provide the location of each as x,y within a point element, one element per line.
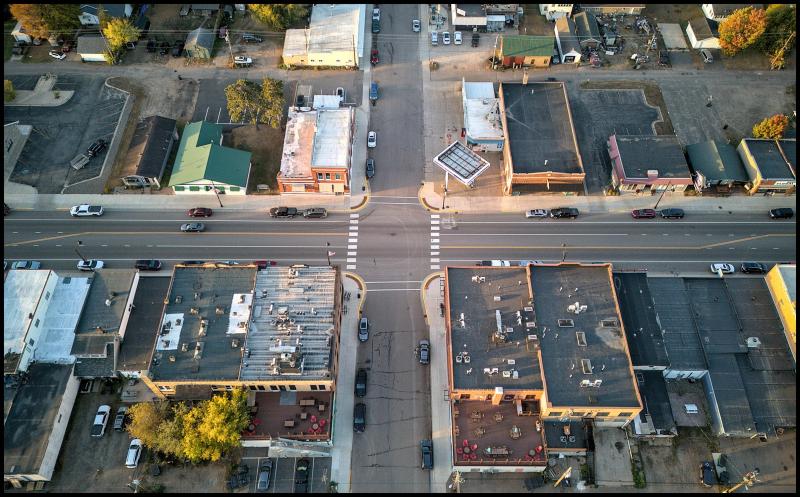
<point>426,447</point>
<point>753,267</point>
<point>476,38</point>
<point>561,212</point>
<point>251,38</point>
<point>424,352</point>
<point>193,263</point>
<point>301,476</point>
<point>782,213</point>
<point>315,212</point>
<point>164,48</point>
<point>361,383</point>
<point>301,101</point>
<point>663,58</point>
<point>283,212</point>
<point>96,147</point>
<point>672,213</point>
<point>359,417</point>
<point>707,477</point>
<point>148,265</point>
<point>177,48</point>
<point>151,46</point>
<point>370,168</point>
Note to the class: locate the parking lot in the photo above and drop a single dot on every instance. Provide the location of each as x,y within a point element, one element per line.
<point>283,473</point>
<point>60,133</point>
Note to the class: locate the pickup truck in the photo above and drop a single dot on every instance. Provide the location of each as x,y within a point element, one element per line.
<point>79,161</point>
<point>373,92</point>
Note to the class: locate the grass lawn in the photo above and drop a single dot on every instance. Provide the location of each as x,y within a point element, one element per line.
<point>652,95</point>
<point>8,41</point>
<point>39,54</point>
<point>266,145</point>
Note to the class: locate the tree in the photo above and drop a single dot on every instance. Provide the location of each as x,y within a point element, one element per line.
<point>45,20</point>
<point>215,426</point>
<point>259,105</point>
<point>780,33</point>
<point>170,432</point>
<point>272,94</point>
<point>741,29</point>
<point>146,419</point>
<point>118,32</point>
<point>771,128</point>
<point>278,15</point>
<point>9,93</point>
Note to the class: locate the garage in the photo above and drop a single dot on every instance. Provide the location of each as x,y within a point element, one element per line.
<point>92,48</point>
<point>673,36</point>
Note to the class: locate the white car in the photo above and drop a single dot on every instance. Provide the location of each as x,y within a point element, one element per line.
<point>724,267</point>
<point>86,210</point>
<point>534,213</point>
<point>90,265</point>
<point>457,37</point>
<point>134,451</point>
<point>415,25</point>
<point>58,55</point>
<point>446,38</point>
<point>101,420</point>
<point>241,60</point>
<point>372,139</point>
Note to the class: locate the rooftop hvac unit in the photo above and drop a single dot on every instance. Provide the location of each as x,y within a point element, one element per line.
<point>198,350</point>
<point>459,359</point>
<point>171,358</point>
<point>510,362</point>
<point>475,278</point>
<point>466,359</point>
<point>241,298</point>
<point>184,347</point>
<point>506,374</point>
<point>482,279</point>
<point>753,342</point>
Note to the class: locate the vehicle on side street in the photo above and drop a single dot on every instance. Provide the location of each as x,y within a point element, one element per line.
<point>376,26</point>
<point>363,330</point>
<point>561,212</point>
<point>177,48</point>
<point>446,38</point>
<point>643,213</point>
<point>361,383</point>
<point>96,147</point>
<point>707,477</point>
<point>301,476</point>
<point>86,210</point>
<point>528,263</point>
<point>148,265</point>
<point>264,473</point>
<point>315,212</point>
<point>90,264</point>
<point>535,213</point>
<point>200,212</point>
<point>663,58</point>
<point>424,351</point>
<point>251,38</point>
<point>372,139</point>
<point>193,227</point>
<point>415,26</point>
<point>376,14</point>
<point>373,92</point>
<point>242,61</point>
<point>359,417</point>
<point>340,93</point>
<point>706,55</point>
<point>58,55</point>
<point>754,268</point>
<point>781,213</point>
<point>426,448</point>
<point>724,267</point>
<point>283,212</point>
<point>457,38</point>
<point>193,263</point>
<point>121,419</point>
<point>476,38</point>
<point>134,452</point>
<point>101,420</point>
<point>498,263</point>
<point>673,213</point>
<point>370,172</point>
<point>26,265</point>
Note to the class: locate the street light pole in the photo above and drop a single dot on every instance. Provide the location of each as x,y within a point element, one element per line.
<point>444,197</point>
<point>80,243</point>
<point>328,252</point>
<point>216,193</point>
<point>563,252</point>
<point>662,195</point>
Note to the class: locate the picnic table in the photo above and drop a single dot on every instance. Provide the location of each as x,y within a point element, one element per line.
<point>498,450</point>
<point>307,402</point>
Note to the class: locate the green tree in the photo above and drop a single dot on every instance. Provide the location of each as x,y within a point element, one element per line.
<point>262,104</point>
<point>8,89</point>
<point>278,15</point>
<point>146,419</point>
<point>272,94</point>
<point>118,32</point>
<point>169,433</point>
<point>779,37</point>
<point>771,128</point>
<point>215,426</point>
<point>45,20</point>
<point>741,29</point>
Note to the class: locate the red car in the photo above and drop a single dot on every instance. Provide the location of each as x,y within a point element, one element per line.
<point>643,213</point>
<point>374,57</point>
<point>200,212</point>
<point>264,264</point>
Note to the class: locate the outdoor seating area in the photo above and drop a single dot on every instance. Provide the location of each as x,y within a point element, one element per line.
<point>295,415</point>
<point>485,434</point>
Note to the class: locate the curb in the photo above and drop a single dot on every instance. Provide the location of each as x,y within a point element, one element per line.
<point>362,286</point>
<point>425,283</point>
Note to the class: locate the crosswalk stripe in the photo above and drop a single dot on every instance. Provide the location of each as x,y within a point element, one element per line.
<point>434,247</point>
<point>354,228</point>
<point>434,216</point>
<point>352,240</point>
<point>434,221</point>
<point>352,247</point>
<point>351,259</point>
<point>354,221</point>
<point>434,240</point>
<point>351,266</point>
<point>434,266</point>
<point>351,254</point>
<point>435,253</point>
<point>434,259</point>
<point>353,216</point>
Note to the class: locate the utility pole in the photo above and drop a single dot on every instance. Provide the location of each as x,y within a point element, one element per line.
<point>494,59</point>
<point>355,56</point>
<point>565,474</point>
<point>661,196</point>
<point>563,252</point>
<point>747,480</point>
<point>444,197</point>
<point>228,39</point>
<point>329,252</point>
<point>80,243</point>
<point>216,193</point>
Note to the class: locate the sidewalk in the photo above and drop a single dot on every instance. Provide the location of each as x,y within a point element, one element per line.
<point>466,201</point>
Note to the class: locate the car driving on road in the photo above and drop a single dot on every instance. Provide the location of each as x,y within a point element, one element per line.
<point>724,267</point>
<point>782,213</point>
<point>90,265</point>
<point>200,212</point>
<point>363,330</point>
<point>283,212</point>
<point>193,227</point>
<point>86,210</point>
<point>415,26</point>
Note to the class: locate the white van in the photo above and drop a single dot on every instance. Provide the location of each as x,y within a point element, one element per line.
<point>434,38</point>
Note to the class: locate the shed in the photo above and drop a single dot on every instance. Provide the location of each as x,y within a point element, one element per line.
<point>524,50</point>
<point>569,49</point>
<point>703,33</point>
<point>92,48</point>
<point>199,43</point>
<point>587,30</point>
<point>20,35</point>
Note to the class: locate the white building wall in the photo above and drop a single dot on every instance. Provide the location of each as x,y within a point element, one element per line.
<point>59,429</point>
<point>553,11</point>
<point>712,43</point>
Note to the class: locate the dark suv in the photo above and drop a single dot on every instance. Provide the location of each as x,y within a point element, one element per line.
<point>361,383</point>
<point>96,147</point>
<point>753,267</point>
<point>672,213</point>
<point>359,417</point>
<point>426,447</point>
<point>148,265</point>
<point>283,212</point>
<point>424,352</point>
<point>370,168</point>
<point>782,213</point>
<point>560,212</point>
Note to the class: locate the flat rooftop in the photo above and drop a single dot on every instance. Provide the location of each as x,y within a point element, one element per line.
<point>482,111</point>
<point>336,27</point>
<point>771,162</point>
<point>584,355</point>
<point>642,153</point>
<point>143,325</point>
<point>671,302</point>
<point>488,331</point>
<point>203,327</point>
<point>333,138</point>
<point>297,144</point>
<point>22,290</point>
<point>645,342</point>
<point>105,303</point>
<point>541,137</point>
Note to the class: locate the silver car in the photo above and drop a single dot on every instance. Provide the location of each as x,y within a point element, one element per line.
<point>363,330</point>
<point>26,265</point>
<point>724,267</point>
<point>536,213</point>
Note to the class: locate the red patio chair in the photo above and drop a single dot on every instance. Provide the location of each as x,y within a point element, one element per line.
<point>459,450</point>
<point>313,419</point>
<point>322,422</point>
<point>474,447</point>
<point>465,443</point>
<point>473,456</point>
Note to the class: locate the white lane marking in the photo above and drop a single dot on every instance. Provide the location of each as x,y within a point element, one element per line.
<point>534,234</point>
<point>351,266</point>
<point>352,247</point>
<point>351,254</point>
<point>434,247</point>
<point>354,216</point>
<point>435,252</point>
<point>434,259</point>
<point>385,282</point>
<point>354,221</point>
<point>434,221</point>
<point>435,216</point>
<point>354,229</point>
<point>434,229</point>
<point>390,196</point>
<point>351,259</point>
<point>609,222</point>
<point>395,203</point>
<point>352,240</point>
<point>434,266</point>
<point>394,289</point>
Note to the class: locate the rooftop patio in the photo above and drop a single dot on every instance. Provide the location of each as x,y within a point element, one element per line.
<point>485,434</point>
<point>293,415</point>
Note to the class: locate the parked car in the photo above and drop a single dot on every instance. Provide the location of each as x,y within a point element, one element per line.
<point>781,213</point>
<point>134,452</point>
<point>426,448</point>
<point>264,473</point>
<point>361,383</point>
<point>251,38</point>
<point>57,55</point>
<point>673,213</point>
<point>363,330</point>
<point>498,263</point>
<point>177,48</point>
<point>67,46</point>
<point>315,212</point>
<point>193,263</point>
<point>242,61</point>
<point>643,213</point>
<point>359,417</point>
<point>121,419</point>
<point>476,38</point>
<point>86,210</point>
<point>101,420</point>
<point>457,38</point>
<point>372,139</point>
<point>370,168</point>
<point>200,212</point>
<point>90,264</point>
<point>301,476</point>
<point>288,212</point>
<point>535,213</point>
<point>376,14</point>
<point>434,38</point>
<point>374,57</point>
<point>151,46</point>
<point>193,227</point>
<point>529,262</point>
<point>340,93</point>
<point>724,267</point>
<point>561,212</point>
<point>164,48</point>
<point>96,147</point>
<point>264,264</point>
<point>26,265</point>
<point>148,265</point>
<point>707,478</point>
<point>754,267</point>
<point>415,26</point>
<point>445,38</point>
<point>706,55</point>
<point>424,352</point>
<point>663,58</point>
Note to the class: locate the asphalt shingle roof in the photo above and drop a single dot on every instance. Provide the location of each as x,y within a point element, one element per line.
<point>91,44</point>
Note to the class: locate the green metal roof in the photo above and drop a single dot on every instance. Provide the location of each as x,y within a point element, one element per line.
<point>716,160</point>
<point>528,46</point>
<point>200,157</point>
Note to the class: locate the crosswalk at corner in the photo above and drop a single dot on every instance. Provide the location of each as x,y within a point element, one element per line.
<point>435,221</point>
<point>352,242</point>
